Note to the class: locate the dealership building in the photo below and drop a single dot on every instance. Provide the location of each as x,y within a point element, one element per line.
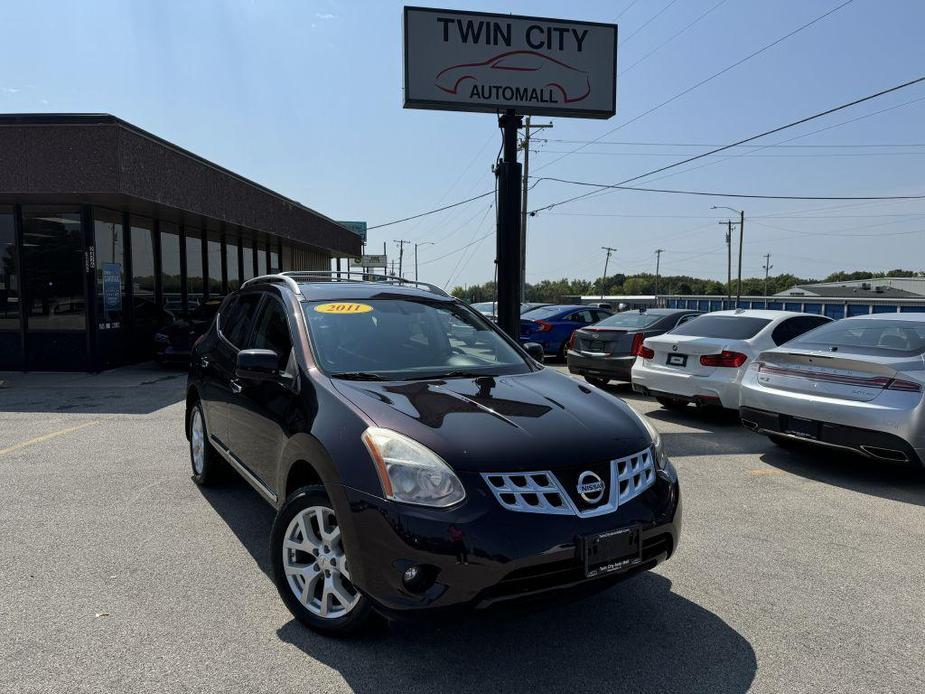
<point>108,232</point>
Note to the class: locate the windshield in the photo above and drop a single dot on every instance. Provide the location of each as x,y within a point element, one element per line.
<point>724,327</point>
<point>485,307</point>
<point>888,338</point>
<point>629,320</point>
<point>403,339</point>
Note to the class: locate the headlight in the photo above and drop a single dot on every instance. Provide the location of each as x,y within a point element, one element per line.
<point>411,473</point>
<point>661,458</point>
<point>161,337</point>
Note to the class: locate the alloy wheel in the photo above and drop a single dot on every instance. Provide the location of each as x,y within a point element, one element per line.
<point>198,442</point>
<point>315,564</point>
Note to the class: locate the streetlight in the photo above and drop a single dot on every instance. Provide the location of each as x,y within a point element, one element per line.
<point>423,243</point>
<point>741,234</point>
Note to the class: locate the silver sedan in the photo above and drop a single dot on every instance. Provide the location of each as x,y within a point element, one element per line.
<point>856,384</point>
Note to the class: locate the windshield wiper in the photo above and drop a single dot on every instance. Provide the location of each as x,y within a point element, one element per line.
<point>358,376</point>
<point>449,374</point>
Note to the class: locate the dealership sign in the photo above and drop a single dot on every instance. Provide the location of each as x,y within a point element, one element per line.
<point>358,228</point>
<point>465,61</point>
<point>370,261</point>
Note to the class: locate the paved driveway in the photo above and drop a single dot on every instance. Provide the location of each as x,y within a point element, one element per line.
<point>797,572</point>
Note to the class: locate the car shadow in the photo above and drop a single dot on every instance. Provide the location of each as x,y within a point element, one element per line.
<point>137,389</point>
<point>844,469</point>
<point>248,516</point>
<point>635,637</point>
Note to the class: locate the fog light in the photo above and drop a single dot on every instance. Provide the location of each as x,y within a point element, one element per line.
<point>410,575</point>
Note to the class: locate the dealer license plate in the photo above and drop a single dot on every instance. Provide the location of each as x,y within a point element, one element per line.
<point>677,360</point>
<point>611,551</point>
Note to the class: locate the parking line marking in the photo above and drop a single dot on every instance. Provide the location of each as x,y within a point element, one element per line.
<point>46,437</point>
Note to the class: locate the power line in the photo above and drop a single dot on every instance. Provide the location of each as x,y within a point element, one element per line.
<point>712,77</point>
<point>648,22</point>
<point>744,154</point>
<point>716,144</point>
<point>716,150</point>
<point>424,214</point>
<point>671,38</point>
<point>713,194</point>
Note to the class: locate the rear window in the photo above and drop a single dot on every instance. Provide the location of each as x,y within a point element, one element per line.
<point>630,321</point>
<point>543,312</point>
<point>890,338</point>
<point>724,327</point>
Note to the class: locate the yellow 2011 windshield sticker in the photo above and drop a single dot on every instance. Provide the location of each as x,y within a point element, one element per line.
<point>342,307</point>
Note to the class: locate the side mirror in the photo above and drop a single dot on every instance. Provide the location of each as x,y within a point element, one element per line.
<point>535,350</point>
<point>257,365</point>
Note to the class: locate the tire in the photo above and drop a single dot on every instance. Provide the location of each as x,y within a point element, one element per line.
<point>206,464</point>
<point>599,382</point>
<point>560,355</point>
<point>671,403</point>
<point>305,545</point>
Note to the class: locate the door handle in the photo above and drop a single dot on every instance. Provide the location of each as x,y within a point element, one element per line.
<point>235,385</point>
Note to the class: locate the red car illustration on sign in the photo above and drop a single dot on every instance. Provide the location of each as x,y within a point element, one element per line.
<point>570,83</point>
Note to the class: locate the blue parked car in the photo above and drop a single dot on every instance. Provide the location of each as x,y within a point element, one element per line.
<point>552,326</point>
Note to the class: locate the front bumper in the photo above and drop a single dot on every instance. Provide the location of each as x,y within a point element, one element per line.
<point>479,554</point>
<point>618,366</point>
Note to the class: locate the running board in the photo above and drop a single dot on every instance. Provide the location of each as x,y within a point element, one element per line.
<point>243,470</point>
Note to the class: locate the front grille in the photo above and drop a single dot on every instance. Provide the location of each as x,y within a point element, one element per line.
<point>543,491</point>
<point>529,492</point>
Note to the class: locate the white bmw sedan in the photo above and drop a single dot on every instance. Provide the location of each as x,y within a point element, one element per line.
<point>856,383</point>
<point>703,361</point>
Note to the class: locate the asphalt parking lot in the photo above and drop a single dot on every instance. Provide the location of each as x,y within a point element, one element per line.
<point>797,572</point>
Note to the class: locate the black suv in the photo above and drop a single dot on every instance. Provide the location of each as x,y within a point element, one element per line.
<point>412,470</point>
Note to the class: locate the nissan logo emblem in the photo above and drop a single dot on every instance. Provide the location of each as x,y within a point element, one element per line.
<point>590,487</point>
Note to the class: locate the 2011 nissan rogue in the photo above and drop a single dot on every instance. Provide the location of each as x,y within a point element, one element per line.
<point>412,470</point>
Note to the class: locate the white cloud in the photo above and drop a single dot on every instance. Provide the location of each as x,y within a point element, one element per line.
<point>10,90</point>
<point>325,15</point>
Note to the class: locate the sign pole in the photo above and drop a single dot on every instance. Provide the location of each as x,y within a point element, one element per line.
<point>509,244</point>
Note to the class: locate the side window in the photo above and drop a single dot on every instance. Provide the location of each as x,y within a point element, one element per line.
<point>684,319</point>
<point>236,321</point>
<point>792,327</point>
<point>581,316</point>
<point>272,331</point>
<point>600,315</point>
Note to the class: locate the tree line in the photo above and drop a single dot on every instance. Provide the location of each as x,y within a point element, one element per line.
<point>645,283</point>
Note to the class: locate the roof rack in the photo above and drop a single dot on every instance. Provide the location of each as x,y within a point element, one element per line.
<point>292,278</point>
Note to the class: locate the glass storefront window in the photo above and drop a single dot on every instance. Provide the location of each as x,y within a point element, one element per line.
<point>110,268</point>
<point>9,295</point>
<point>248,246</point>
<point>194,274</point>
<point>53,264</point>
<point>214,250</point>
<point>261,256</point>
<point>231,261</point>
<point>170,267</point>
<point>274,257</point>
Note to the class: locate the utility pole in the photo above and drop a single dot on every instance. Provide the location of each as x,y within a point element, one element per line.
<point>523,205</point>
<point>741,236</point>
<point>658,260</point>
<point>728,225</point>
<point>767,269</point>
<point>401,253</point>
<point>606,261</point>
<point>422,243</point>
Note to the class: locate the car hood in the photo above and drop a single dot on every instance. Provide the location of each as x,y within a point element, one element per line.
<point>535,421</point>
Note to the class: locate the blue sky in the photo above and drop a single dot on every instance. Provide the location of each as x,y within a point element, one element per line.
<point>306,98</point>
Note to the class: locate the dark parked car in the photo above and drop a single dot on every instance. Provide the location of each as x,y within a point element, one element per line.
<point>607,350</point>
<point>174,342</point>
<point>552,326</point>
<point>410,472</point>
